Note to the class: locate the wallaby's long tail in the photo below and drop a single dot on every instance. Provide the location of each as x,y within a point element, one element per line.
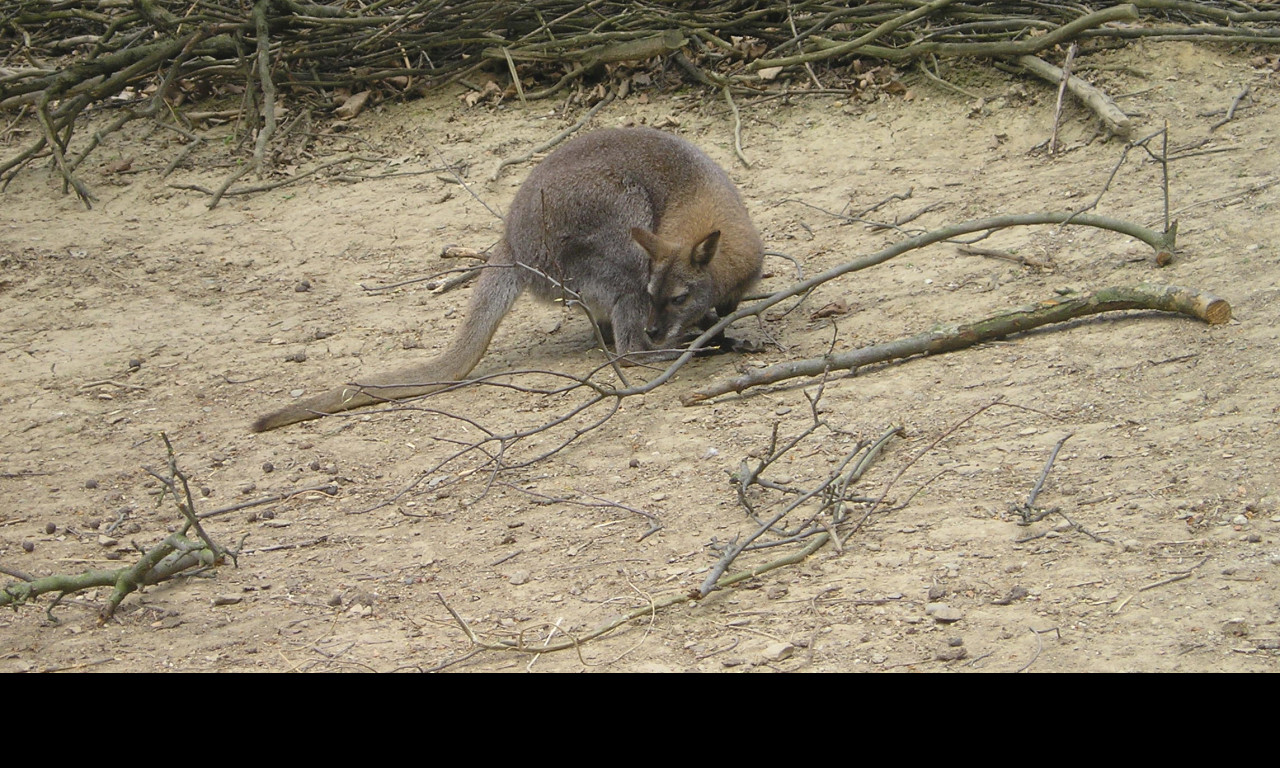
<point>495,292</point>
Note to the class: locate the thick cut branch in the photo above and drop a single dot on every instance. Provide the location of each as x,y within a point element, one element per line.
<point>1167,298</point>
<point>1118,122</point>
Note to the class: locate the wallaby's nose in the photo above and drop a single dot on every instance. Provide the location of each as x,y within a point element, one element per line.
<point>654,329</point>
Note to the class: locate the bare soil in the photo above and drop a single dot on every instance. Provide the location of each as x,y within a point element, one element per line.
<point>151,313</point>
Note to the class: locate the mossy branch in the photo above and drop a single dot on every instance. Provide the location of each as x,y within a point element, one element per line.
<point>177,553</point>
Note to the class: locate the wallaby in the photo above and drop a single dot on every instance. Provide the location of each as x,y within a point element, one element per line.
<point>641,224</point>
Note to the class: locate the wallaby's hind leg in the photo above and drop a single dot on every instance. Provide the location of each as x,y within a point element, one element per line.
<point>606,332</point>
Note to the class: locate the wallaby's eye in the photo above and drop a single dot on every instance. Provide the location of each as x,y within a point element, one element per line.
<point>677,301</point>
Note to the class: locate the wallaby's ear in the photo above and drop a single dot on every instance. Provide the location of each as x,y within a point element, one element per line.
<point>705,250</point>
<point>656,265</point>
<point>650,242</point>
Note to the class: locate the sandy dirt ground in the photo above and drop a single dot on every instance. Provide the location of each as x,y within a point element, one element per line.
<point>151,313</point>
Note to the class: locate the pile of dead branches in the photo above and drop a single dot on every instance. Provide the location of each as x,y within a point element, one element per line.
<point>148,58</point>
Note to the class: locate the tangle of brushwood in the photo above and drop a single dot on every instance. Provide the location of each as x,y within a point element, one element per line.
<point>828,513</point>
<point>64,60</point>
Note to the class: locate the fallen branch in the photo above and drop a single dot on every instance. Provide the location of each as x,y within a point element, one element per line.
<point>1198,304</point>
<point>577,641</point>
<point>1162,582</point>
<point>329,489</point>
<point>1116,120</point>
<point>1231,111</point>
<point>1026,261</point>
<point>224,189</point>
<point>176,554</point>
<point>1028,508</point>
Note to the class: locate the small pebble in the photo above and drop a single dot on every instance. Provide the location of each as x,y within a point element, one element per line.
<point>943,613</point>
<point>1235,627</point>
<point>90,484</point>
<point>778,651</point>
<point>303,286</point>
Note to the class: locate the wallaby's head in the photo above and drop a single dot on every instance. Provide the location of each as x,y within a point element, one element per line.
<point>682,288</point>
